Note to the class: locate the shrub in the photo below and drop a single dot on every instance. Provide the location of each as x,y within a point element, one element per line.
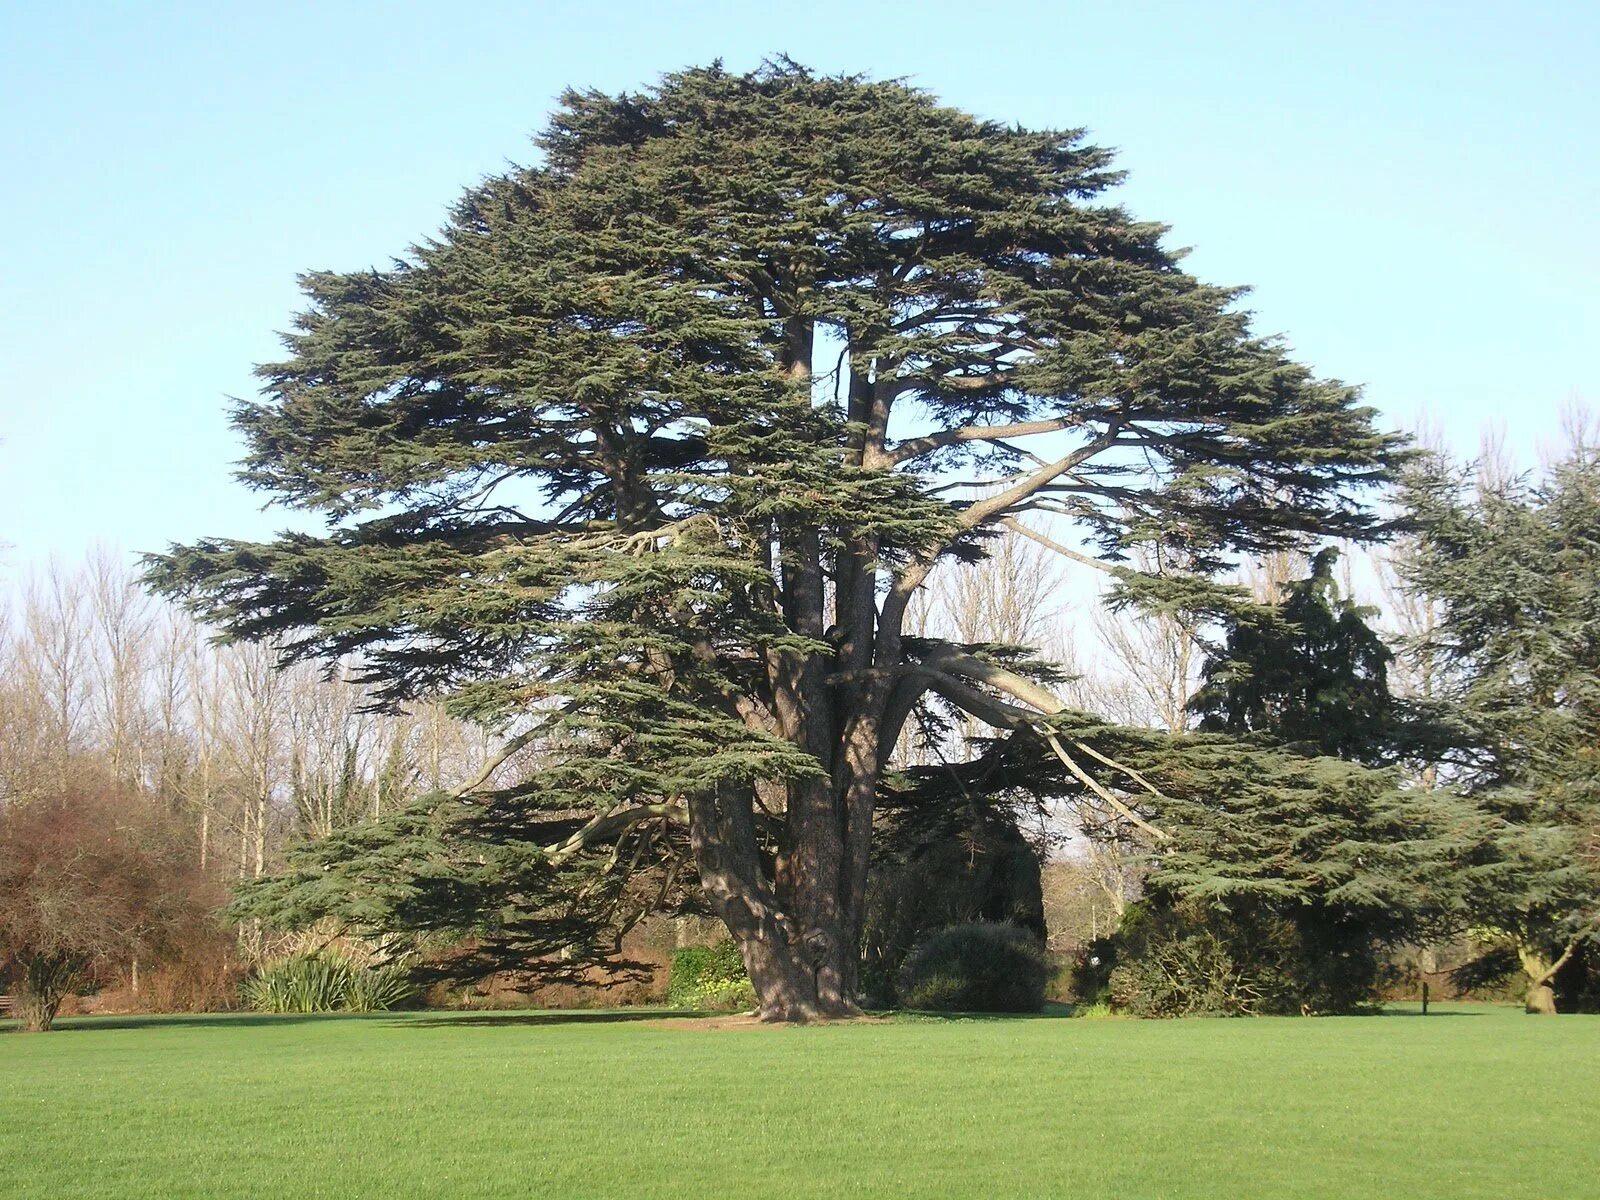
<point>200,976</point>
<point>978,967</point>
<point>91,878</point>
<point>1183,975</point>
<point>313,983</point>
<point>1186,960</point>
<point>304,984</point>
<point>977,868</point>
<point>710,977</point>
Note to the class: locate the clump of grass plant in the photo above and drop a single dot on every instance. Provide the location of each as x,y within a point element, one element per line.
<point>320,983</point>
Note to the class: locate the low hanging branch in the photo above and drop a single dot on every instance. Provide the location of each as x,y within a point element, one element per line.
<point>495,762</point>
<point>1007,716</point>
<point>1094,786</point>
<point>609,824</point>
<point>1123,767</point>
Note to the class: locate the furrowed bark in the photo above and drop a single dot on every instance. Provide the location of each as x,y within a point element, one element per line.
<point>722,835</point>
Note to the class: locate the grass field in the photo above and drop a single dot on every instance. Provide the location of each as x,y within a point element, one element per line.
<point>1465,1103</point>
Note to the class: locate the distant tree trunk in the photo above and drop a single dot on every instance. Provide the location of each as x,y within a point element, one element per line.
<point>1541,1000</point>
<point>1540,969</point>
<point>120,624</point>
<point>37,1013</point>
<point>45,981</point>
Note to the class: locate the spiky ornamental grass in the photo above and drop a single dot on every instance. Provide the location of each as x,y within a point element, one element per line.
<point>584,468</point>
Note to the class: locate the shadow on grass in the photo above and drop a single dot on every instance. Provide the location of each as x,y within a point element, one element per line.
<point>437,1019</point>
<point>1050,1012</point>
<point>1053,1011</point>
<point>603,1016</point>
<point>90,1023</point>
<point>569,1016</point>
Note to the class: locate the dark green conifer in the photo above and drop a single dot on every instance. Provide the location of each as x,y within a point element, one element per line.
<point>1514,569</point>
<point>1307,670</point>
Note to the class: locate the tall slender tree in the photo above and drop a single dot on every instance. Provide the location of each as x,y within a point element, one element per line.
<point>646,454</point>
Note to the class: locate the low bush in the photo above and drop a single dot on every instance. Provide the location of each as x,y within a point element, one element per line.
<point>201,974</point>
<point>313,983</point>
<point>305,984</point>
<point>978,967</point>
<point>1186,960</point>
<point>1100,1011</point>
<point>710,977</point>
<point>1185,975</point>
<point>930,873</point>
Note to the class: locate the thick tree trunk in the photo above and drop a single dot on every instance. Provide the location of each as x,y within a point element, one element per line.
<point>811,974</point>
<point>781,964</point>
<point>861,772</point>
<point>801,934</point>
<point>1541,999</point>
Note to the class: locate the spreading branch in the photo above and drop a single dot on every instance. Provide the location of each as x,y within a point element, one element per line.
<point>1049,543</point>
<point>1093,785</point>
<point>609,824</point>
<point>917,447</point>
<point>1007,716</point>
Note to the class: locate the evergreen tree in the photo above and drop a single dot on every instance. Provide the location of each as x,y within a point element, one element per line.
<point>1515,570</point>
<point>1294,870</point>
<point>645,455</point>
<point>1308,671</point>
<point>1295,684</point>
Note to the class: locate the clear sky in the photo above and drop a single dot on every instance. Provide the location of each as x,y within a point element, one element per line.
<point>1411,188</point>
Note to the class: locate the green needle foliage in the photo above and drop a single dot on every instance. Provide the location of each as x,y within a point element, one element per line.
<point>1338,860</point>
<point>1308,670</point>
<point>644,456</point>
<point>1513,568</point>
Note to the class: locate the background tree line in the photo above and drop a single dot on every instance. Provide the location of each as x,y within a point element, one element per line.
<point>174,768</point>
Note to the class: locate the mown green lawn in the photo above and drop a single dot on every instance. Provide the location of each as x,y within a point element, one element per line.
<point>1465,1103</point>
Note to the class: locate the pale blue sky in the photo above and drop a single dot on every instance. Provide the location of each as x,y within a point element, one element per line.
<point>1410,188</point>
